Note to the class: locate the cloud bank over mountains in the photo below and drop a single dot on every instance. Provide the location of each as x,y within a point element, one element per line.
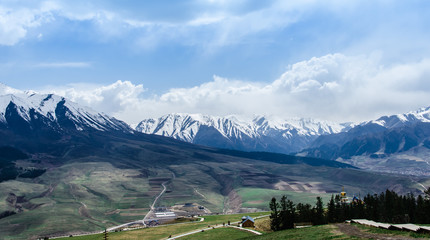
<point>371,57</point>
<point>333,87</point>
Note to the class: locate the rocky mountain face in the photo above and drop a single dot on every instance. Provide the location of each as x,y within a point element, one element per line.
<point>377,138</point>
<point>260,134</point>
<point>398,143</point>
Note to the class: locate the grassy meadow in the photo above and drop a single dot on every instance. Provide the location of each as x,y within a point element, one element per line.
<point>175,229</point>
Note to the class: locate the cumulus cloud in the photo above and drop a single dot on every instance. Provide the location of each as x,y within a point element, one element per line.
<point>113,99</point>
<point>332,87</point>
<point>15,23</point>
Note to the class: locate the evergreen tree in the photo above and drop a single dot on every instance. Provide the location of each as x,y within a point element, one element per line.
<point>319,212</point>
<point>287,215</point>
<point>274,215</point>
<point>420,215</point>
<point>291,215</point>
<point>283,216</point>
<point>331,211</point>
<point>304,212</point>
<point>386,207</point>
<point>411,206</point>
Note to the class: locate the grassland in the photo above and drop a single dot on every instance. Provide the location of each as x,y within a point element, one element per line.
<point>311,233</point>
<point>220,233</point>
<point>92,196</point>
<point>315,232</point>
<point>176,229</point>
<point>392,232</point>
<point>260,197</point>
<point>85,197</point>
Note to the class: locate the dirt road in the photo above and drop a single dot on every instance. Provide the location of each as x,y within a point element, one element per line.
<point>354,231</point>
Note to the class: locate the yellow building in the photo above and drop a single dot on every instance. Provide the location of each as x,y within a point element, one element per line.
<point>343,197</point>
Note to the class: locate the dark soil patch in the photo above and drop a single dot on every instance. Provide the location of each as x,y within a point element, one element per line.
<point>351,230</point>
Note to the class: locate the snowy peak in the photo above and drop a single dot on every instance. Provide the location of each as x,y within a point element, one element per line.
<point>33,110</point>
<point>400,120</point>
<point>300,126</point>
<point>186,126</point>
<point>263,133</point>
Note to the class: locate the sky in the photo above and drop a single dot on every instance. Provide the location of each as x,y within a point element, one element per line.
<point>331,60</point>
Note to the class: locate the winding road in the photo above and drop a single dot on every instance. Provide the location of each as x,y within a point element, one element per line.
<point>155,201</point>
<point>147,215</point>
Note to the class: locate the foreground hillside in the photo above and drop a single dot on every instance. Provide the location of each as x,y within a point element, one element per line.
<point>217,231</point>
<point>101,179</point>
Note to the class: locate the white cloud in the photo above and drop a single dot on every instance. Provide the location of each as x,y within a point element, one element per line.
<point>63,65</point>
<point>14,23</point>
<point>332,87</point>
<point>211,28</point>
<point>112,99</point>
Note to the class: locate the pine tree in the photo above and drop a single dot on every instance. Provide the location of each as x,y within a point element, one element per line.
<point>319,212</point>
<point>420,215</point>
<point>331,211</point>
<point>304,212</point>
<point>284,213</point>
<point>274,215</point>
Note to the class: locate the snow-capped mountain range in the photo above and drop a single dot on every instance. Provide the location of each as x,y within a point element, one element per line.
<point>262,133</point>
<point>27,109</point>
<point>400,120</point>
<point>272,134</point>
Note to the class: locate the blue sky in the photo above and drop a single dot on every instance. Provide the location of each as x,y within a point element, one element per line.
<point>202,55</point>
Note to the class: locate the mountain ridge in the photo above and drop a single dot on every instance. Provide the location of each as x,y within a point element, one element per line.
<point>260,134</point>
<point>19,109</point>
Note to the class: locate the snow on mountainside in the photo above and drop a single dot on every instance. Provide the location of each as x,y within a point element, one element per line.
<point>400,120</point>
<point>397,143</point>
<point>53,111</point>
<point>261,134</point>
<point>185,126</point>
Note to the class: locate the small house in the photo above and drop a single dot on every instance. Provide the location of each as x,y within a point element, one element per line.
<point>247,221</point>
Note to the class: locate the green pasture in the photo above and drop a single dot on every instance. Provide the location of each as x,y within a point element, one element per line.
<point>260,198</point>
<point>175,229</point>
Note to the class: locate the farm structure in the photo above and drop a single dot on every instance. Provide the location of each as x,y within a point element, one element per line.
<point>247,221</point>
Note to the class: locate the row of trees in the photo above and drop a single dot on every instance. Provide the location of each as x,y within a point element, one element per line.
<point>393,208</point>
<point>286,213</point>
<point>387,207</point>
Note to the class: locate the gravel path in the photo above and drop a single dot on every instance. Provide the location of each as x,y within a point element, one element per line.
<point>354,231</point>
